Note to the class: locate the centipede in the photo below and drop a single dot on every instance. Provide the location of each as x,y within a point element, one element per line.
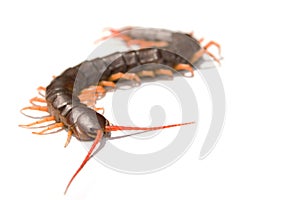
<point>69,100</point>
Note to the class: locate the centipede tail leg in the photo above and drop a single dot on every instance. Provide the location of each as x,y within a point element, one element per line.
<point>213,43</point>
<point>204,50</point>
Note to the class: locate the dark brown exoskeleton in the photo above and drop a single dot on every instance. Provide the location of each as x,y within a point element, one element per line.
<point>180,43</point>
<point>71,96</point>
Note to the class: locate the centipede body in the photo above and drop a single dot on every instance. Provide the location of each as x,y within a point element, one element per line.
<point>65,95</point>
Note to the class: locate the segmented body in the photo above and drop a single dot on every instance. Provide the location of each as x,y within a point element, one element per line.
<point>62,93</point>
<point>179,43</point>
<point>68,94</point>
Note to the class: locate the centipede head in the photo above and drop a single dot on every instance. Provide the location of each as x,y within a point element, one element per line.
<point>90,125</point>
<point>87,123</point>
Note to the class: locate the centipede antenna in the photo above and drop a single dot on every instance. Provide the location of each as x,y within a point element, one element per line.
<point>87,157</point>
<point>123,136</point>
<point>121,128</point>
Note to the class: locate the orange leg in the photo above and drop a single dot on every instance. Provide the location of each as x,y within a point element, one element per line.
<point>213,43</point>
<point>68,138</point>
<point>200,53</point>
<point>35,107</point>
<point>90,95</point>
<point>100,89</point>
<point>164,72</point>
<point>185,67</point>
<point>127,76</point>
<point>46,119</point>
<point>146,73</point>
<point>90,102</point>
<point>146,44</point>
<point>201,40</point>
<point>95,89</point>
<point>41,90</point>
<point>197,55</point>
<point>37,99</point>
<point>108,84</point>
<point>132,76</point>
<point>51,127</point>
<point>115,32</point>
<point>40,108</point>
<point>115,77</point>
<point>97,109</point>
<point>128,40</point>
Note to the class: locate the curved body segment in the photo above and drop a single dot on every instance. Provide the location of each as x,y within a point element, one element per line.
<point>70,97</point>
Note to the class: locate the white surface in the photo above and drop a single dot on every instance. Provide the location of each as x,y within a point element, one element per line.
<point>257,156</point>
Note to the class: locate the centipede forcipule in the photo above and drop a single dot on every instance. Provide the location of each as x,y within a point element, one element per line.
<point>70,96</point>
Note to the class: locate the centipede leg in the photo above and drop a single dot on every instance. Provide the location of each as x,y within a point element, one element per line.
<point>41,90</point>
<point>99,89</point>
<point>51,127</point>
<point>127,76</point>
<point>146,44</point>
<point>200,40</point>
<point>37,99</point>
<point>164,72</point>
<point>213,43</point>
<point>90,95</point>
<point>185,67</point>
<point>35,107</point>
<point>39,108</point>
<point>107,84</point>
<point>146,73</point>
<point>98,109</point>
<point>46,119</point>
<point>200,53</point>
<point>115,32</point>
<point>70,133</point>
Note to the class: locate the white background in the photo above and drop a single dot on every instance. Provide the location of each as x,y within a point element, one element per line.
<point>257,156</point>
